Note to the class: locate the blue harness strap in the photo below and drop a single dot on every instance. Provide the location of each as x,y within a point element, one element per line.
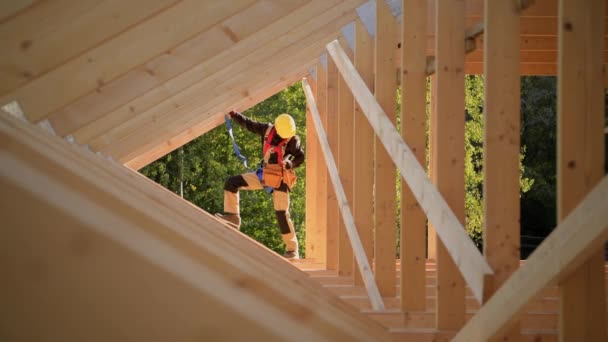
<point>235,147</point>
<point>237,152</point>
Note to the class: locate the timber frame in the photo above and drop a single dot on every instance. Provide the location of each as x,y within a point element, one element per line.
<point>93,90</point>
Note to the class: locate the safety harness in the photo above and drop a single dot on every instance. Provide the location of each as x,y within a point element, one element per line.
<point>268,136</point>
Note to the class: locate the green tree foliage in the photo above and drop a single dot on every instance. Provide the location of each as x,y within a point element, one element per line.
<point>209,160</point>
<point>539,133</point>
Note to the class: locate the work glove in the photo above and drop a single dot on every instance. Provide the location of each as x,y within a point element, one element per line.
<point>287,164</point>
<point>232,113</point>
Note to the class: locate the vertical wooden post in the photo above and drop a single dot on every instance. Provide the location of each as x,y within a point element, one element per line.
<point>385,176</point>
<point>312,232</point>
<point>332,136</point>
<point>363,201</point>
<point>345,166</point>
<point>501,145</point>
<point>580,126</point>
<point>431,251</point>
<point>321,190</point>
<point>449,150</point>
<point>413,130</point>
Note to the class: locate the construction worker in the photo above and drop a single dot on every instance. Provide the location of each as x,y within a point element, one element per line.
<point>281,154</point>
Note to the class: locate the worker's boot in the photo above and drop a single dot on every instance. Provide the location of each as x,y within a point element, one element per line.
<point>291,255</point>
<point>233,220</point>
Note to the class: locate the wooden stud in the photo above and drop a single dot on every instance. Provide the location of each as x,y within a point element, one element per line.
<point>385,211</point>
<point>312,234</point>
<point>471,263</point>
<point>431,243</point>
<point>349,222</point>
<point>501,233</point>
<point>363,202</point>
<point>100,65</point>
<point>413,130</point>
<point>333,217</point>
<point>345,166</point>
<point>449,153</point>
<point>568,247</point>
<point>321,192</point>
<point>580,160</point>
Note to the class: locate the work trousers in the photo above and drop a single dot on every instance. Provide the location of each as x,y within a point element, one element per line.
<point>280,199</point>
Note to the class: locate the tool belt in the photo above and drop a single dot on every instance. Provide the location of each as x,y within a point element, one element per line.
<point>274,174</point>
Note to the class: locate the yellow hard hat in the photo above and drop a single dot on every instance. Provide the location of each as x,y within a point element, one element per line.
<point>285,126</point>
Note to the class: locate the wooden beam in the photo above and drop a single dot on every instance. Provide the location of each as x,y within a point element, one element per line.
<point>580,158</point>
<point>571,243</point>
<point>102,64</point>
<point>413,131</point>
<point>313,236</point>
<point>331,125</point>
<point>449,150</point>
<point>363,203</point>
<point>431,232</point>
<point>204,126</point>
<point>345,155</point>
<point>104,221</point>
<point>501,194</point>
<point>34,41</point>
<point>321,191</point>
<point>450,230</point>
<point>199,57</point>
<point>201,81</point>
<point>9,9</point>
<point>385,210</point>
<point>349,222</point>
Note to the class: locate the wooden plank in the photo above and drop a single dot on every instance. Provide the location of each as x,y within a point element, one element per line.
<point>321,191</point>
<point>385,210</point>
<point>206,125</point>
<point>569,246</point>
<point>313,235</point>
<point>10,9</point>
<point>413,131</point>
<point>449,153</point>
<point>580,160</point>
<point>201,56</point>
<point>363,203</point>
<point>178,239</point>
<point>35,41</point>
<point>102,64</point>
<point>431,243</point>
<point>345,157</point>
<point>333,232</point>
<point>449,229</point>
<point>501,233</point>
<point>364,267</point>
<point>212,70</point>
